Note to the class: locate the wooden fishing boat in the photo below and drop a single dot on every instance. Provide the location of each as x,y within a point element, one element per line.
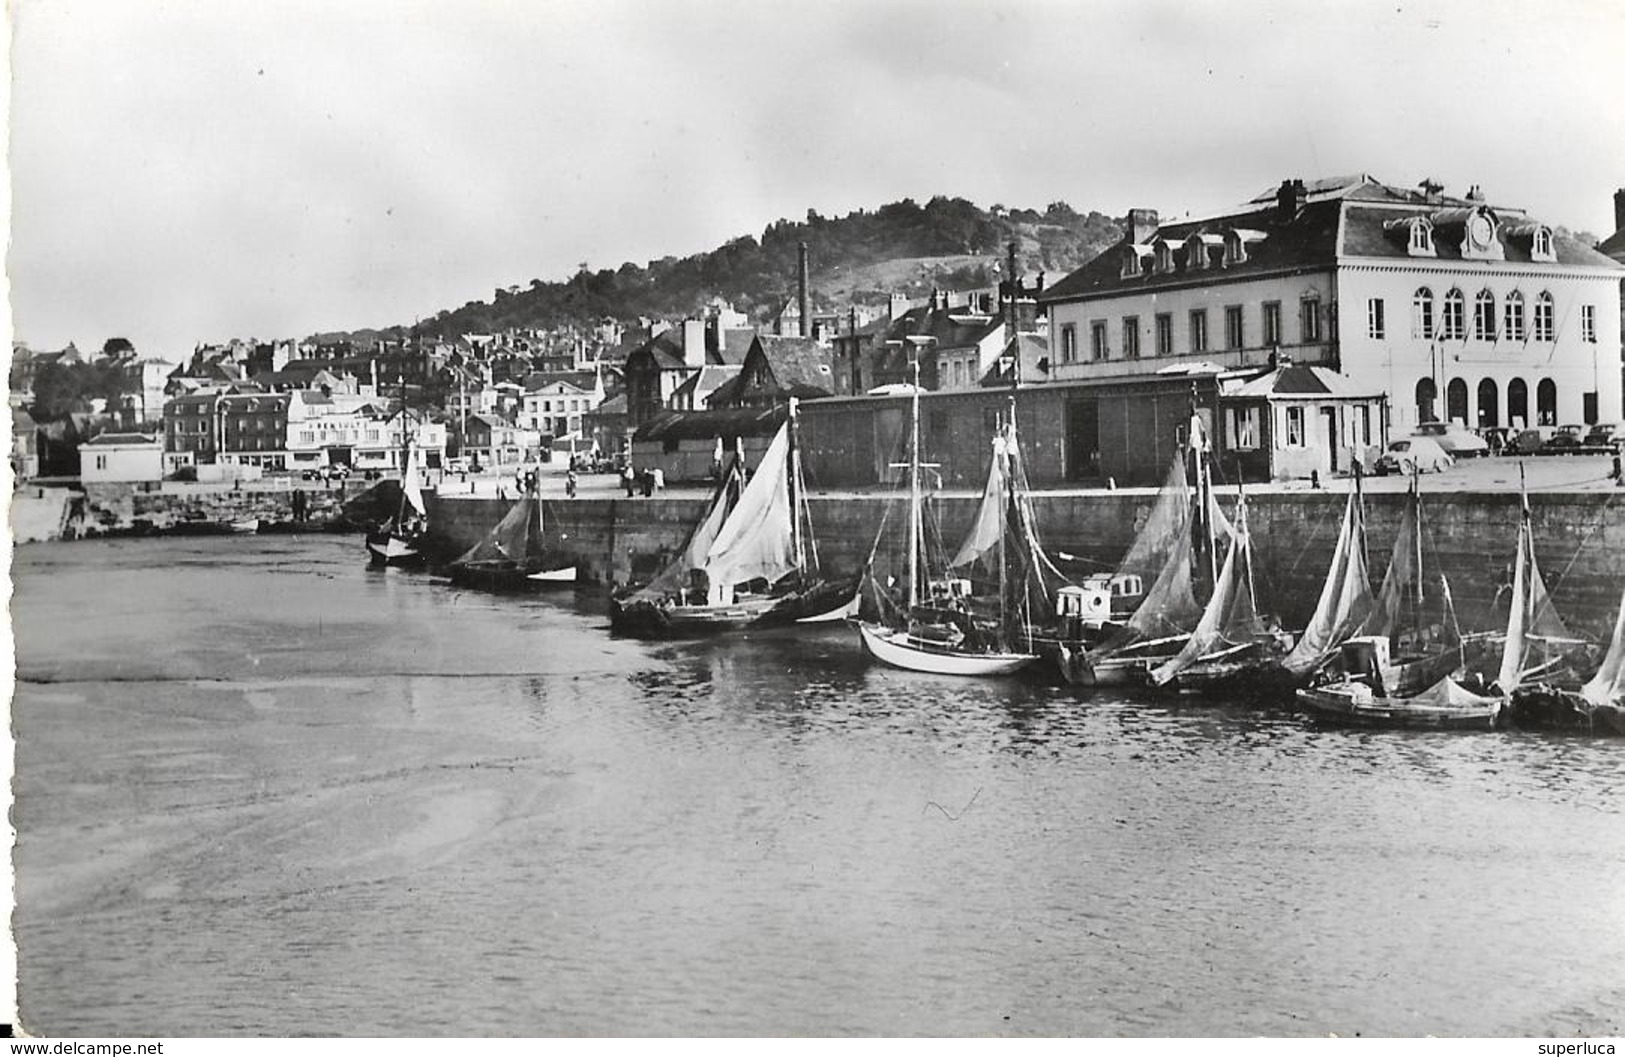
<point>1126,649</point>
<point>1595,707</point>
<point>751,560</point>
<point>936,625</point>
<point>1471,697</point>
<point>517,554</point>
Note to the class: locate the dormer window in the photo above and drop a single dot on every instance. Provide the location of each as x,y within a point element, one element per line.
<point>1540,246</point>
<point>1421,240</point>
<point>1235,245</point>
<point>1163,259</point>
<point>1132,265</point>
<point>1415,232</point>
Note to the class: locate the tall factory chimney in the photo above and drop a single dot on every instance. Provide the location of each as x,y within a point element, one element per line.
<point>801,303</point>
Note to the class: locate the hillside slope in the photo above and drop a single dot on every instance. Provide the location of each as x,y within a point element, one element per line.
<point>861,258</point>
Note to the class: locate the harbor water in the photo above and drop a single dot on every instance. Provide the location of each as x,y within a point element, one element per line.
<point>262,789</point>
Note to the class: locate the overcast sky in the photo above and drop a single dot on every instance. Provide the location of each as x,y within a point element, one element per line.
<point>194,170</point>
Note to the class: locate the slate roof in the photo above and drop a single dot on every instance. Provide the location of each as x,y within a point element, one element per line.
<point>707,379</point>
<point>1034,352</point>
<point>1365,235</point>
<point>586,381</point>
<point>1300,380</point>
<point>1613,246</point>
<point>704,425</point>
<point>928,328</point>
<point>1305,243</point>
<point>124,439</point>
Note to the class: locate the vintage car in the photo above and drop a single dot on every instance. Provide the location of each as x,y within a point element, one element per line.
<point>1413,455</point>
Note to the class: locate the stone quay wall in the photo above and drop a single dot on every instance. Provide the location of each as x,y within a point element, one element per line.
<point>1579,539</point>
<point>121,508</point>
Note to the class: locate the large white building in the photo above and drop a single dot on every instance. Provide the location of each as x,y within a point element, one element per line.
<point>1449,307</point>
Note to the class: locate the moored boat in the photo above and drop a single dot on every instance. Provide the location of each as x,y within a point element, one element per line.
<point>935,624</point>
<point>1472,696</point>
<point>1596,707</point>
<point>751,561</point>
<point>517,554</point>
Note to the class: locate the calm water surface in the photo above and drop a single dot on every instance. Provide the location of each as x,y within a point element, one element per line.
<point>263,790</point>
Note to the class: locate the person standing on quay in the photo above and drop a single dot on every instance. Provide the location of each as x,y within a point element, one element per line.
<point>629,480</point>
<point>660,480</point>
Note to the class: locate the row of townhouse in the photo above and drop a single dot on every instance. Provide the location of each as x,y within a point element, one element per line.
<point>295,431</point>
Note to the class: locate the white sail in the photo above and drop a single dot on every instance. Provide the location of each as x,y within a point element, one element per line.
<point>1210,629</point>
<point>411,487</point>
<point>1533,626</point>
<point>1608,685</point>
<point>987,531</point>
<point>758,538</point>
<point>1345,597</point>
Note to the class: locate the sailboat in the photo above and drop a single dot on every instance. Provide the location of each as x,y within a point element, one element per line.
<point>1597,707</point>
<point>1535,645</point>
<point>1409,635</point>
<point>935,625</point>
<point>399,540</point>
<point>515,555</point>
<point>751,560</point>
<point>1164,554</point>
<point>1232,639</point>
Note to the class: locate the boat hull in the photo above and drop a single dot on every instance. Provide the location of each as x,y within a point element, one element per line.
<point>500,575</point>
<point>1543,707</point>
<point>388,548</point>
<point>1354,704</point>
<point>900,650</point>
<point>670,618</point>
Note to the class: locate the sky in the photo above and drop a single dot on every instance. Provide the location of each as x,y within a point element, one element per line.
<point>196,170</point>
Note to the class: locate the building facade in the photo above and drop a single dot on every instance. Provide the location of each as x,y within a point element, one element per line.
<point>1447,307</point>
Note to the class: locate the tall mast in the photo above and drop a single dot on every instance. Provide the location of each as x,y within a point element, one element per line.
<point>794,484</point>
<point>914,491</point>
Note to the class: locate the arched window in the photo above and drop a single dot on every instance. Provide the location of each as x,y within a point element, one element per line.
<point>1518,403</point>
<point>1489,403</point>
<point>1484,316</point>
<point>1453,327</point>
<point>1546,403</point>
<point>1514,317</point>
<point>1541,245</point>
<point>1545,318</point>
<point>1422,314</point>
<point>1455,401</point>
<point>1427,395</point>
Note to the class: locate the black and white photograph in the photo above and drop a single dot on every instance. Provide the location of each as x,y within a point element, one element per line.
<point>640,519</point>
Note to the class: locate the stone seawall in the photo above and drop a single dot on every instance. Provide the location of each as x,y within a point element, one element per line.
<point>1579,538</point>
<point>115,508</point>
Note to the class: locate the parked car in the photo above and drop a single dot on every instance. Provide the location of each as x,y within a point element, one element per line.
<point>1563,442</point>
<point>1457,440</point>
<point>1530,441</point>
<point>1414,455</point>
<point>1605,437</point>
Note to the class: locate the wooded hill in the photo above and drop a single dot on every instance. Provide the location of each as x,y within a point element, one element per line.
<point>861,258</point>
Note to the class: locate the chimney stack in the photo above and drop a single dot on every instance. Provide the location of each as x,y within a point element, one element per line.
<point>1142,224</point>
<point>1289,200</point>
<point>801,301</point>
<point>1013,287</point>
<point>694,343</point>
<point>1619,209</point>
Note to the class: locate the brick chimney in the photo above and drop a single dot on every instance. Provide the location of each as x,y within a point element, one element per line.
<point>1619,209</point>
<point>1289,200</point>
<point>801,294</point>
<point>1142,224</point>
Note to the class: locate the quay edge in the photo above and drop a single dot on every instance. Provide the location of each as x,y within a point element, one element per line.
<point>1580,538</point>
